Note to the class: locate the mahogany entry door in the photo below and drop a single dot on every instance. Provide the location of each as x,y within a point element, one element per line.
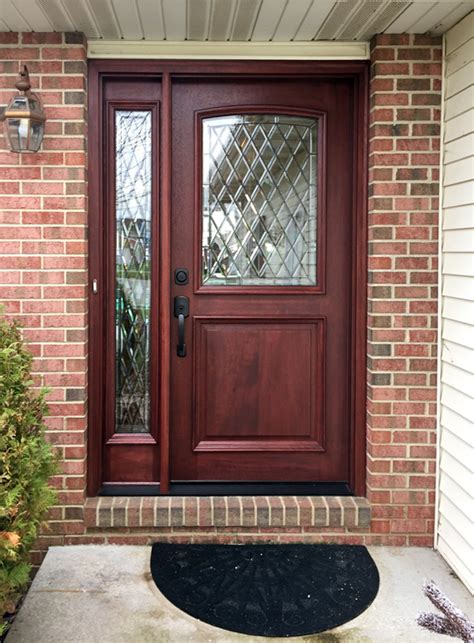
<point>230,269</point>
<point>261,218</point>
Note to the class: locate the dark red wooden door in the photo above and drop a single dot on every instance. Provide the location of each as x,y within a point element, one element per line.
<point>261,217</point>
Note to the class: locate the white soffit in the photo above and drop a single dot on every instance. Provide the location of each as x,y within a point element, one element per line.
<point>242,22</point>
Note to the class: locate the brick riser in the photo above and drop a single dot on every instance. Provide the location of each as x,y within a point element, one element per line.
<point>229,535</point>
<point>226,519</point>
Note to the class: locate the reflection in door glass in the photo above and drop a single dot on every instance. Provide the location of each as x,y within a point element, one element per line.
<point>259,200</point>
<point>132,284</point>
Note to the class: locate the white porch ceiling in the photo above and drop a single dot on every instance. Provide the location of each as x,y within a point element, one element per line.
<point>232,20</point>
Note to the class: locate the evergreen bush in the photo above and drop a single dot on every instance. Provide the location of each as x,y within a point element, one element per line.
<point>26,463</point>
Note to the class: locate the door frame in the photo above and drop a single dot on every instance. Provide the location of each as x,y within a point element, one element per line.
<point>165,70</point>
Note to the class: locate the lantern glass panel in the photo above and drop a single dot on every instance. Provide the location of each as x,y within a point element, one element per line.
<point>34,102</point>
<point>36,135</point>
<point>12,130</point>
<point>19,102</point>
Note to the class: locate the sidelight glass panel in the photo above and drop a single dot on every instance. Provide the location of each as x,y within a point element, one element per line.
<point>259,198</point>
<point>132,284</point>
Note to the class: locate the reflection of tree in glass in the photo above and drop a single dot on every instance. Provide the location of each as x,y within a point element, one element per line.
<point>133,260</point>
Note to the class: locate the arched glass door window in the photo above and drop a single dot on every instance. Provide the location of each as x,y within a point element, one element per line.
<point>259,200</point>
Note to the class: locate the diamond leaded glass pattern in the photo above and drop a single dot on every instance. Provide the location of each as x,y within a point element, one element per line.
<point>132,285</point>
<point>259,200</point>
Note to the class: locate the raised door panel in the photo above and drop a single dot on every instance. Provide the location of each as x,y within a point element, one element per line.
<point>259,385</point>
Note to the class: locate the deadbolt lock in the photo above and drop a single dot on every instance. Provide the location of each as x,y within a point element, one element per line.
<point>181,276</point>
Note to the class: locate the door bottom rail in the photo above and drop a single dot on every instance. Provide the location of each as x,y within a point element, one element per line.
<point>237,512</point>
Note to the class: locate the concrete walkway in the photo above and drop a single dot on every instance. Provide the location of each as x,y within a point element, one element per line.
<point>104,594</point>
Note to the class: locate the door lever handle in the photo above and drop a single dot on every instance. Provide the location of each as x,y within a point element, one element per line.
<point>181,310</point>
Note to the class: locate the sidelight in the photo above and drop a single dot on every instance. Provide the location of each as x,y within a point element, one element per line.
<point>133,140</point>
<point>259,200</point>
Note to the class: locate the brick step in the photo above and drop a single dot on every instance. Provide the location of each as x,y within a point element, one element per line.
<point>227,511</point>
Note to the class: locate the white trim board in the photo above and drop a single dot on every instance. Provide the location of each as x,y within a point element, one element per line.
<point>313,50</point>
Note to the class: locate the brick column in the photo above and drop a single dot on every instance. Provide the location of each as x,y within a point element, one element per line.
<point>403,249</point>
<point>43,247</point>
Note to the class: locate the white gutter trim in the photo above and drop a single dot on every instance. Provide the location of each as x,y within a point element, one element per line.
<point>440,296</point>
<point>313,50</point>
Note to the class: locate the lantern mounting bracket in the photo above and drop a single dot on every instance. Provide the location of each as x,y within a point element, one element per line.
<point>23,83</point>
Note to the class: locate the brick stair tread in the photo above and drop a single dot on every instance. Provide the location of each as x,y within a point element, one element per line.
<point>227,511</point>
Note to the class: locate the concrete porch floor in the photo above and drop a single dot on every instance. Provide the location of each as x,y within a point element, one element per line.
<point>92,594</point>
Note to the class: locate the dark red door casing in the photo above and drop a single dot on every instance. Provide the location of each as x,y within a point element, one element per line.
<point>272,387</point>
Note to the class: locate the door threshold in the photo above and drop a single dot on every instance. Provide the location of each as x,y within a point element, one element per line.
<point>229,489</point>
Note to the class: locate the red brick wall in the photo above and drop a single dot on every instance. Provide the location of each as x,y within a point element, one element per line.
<point>43,275</point>
<point>43,244</point>
<point>403,215</point>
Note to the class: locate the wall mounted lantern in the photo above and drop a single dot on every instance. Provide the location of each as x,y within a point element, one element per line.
<point>24,117</point>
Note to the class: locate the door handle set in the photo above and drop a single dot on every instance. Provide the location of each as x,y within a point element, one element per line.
<point>181,308</point>
<point>181,311</point>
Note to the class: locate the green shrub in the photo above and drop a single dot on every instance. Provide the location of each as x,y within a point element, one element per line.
<point>26,463</point>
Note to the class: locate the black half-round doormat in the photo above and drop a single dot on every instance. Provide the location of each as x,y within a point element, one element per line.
<point>267,590</point>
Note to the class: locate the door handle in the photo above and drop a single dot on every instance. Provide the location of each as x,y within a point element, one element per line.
<point>181,310</point>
